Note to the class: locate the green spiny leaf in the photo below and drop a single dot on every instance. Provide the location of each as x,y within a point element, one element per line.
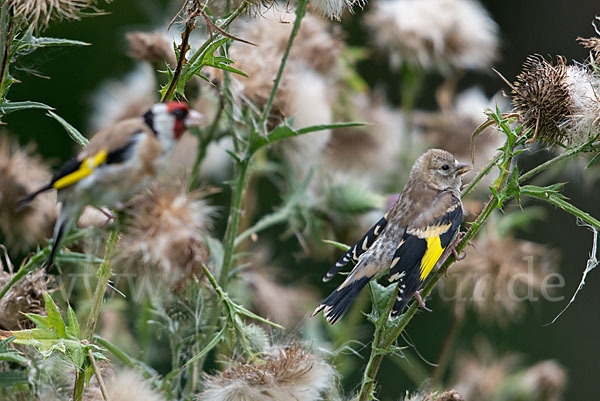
<point>72,131</point>
<point>73,330</point>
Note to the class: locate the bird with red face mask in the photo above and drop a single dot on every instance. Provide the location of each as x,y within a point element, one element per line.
<point>117,163</point>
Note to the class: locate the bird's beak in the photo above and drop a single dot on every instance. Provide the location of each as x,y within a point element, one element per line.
<point>462,168</point>
<point>194,119</point>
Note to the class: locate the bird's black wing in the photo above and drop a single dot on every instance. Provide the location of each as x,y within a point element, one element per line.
<point>359,248</point>
<point>422,245</point>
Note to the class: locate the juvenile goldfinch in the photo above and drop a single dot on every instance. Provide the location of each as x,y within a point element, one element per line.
<point>118,162</point>
<point>409,239</point>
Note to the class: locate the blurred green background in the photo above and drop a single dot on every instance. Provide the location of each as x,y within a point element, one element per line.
<point>548,28</point>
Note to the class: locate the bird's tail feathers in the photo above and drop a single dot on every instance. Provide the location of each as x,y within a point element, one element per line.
<point>25,201</point>
<point>66,220</point>
<point>338,302</point>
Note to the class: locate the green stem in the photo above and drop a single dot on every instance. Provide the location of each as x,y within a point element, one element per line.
<point>37,258</point>
<point>203,142</point>
<point>79,385</point>
<point>98,375</point>
<point>6,42</point>
<point>104,275</point>
<point>300,12</point>
<point>538,169</point>
<point>235,211</point>
<point>482,173</point>
<point>128,360</point>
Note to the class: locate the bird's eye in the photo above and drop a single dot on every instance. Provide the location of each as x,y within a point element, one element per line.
<point>180,113</point>
<point>445,167</point>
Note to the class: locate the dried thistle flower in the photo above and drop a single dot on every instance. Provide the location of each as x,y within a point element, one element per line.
<point>478,376</point>
<point>593,44</point>
<point>25,296</point>
<point>153,47</point>
<point>165,229</point>
<point>116,100</point>
<point>334,9</point>
<point>485,376</point>
<point>366,155</point>
<point>546,379</point>
<point>315,52</point>
<point>558,104</point>
<point>541,97</point>
<point>128,385</point>
<point>440,34</point>
<point>39,13</point>
<point>289,373</point>
<point>498,276</point>
<point>22,172</point>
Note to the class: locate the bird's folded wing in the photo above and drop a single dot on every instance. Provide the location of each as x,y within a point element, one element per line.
<point>359,248</point>
<point>423,243</point>
<point>75,170</point>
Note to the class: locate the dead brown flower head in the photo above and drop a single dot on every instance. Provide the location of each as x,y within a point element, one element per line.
<point>541,97</point>
<point>558,104</point>
<point>22,172</point>
<point>26,296</point>
<point>289,373</point>
<point>165,230</point>
<point>39,13</point>
<point>498,276</point>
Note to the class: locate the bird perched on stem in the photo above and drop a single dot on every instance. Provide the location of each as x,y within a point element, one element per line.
<point>118,162</point>
<point>409,240</point>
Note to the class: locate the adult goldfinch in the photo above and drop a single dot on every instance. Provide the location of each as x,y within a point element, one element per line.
<point>118,162</point>
<point>409,239</point>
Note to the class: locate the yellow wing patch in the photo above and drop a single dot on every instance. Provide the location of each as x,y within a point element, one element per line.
<point>432,255</point>
<point>86,168</point>
<point>430,231</point>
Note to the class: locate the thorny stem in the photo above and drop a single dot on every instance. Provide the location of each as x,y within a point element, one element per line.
<point>37,258</point>
<point>482,173</point>
<point>538,169</point>
<point>183,49</point>
<point>183,66</point>
<point>204,140</point>
<point>104,275</point>
<point>98,375</point>
<point>235,211</point>
<point>6,43</point>
<point>300,12</point>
